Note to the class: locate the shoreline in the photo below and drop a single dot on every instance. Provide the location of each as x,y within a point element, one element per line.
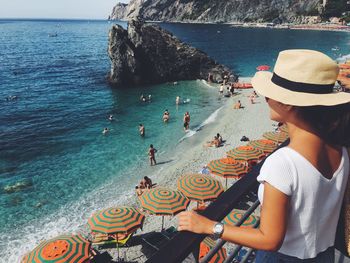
<point>191,155</point>
<point>316,27</point>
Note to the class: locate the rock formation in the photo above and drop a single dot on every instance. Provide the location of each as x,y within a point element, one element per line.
<point>221,11</point>
<point>148,54</point>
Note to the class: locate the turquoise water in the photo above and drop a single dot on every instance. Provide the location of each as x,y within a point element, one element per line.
<point>51,142</point>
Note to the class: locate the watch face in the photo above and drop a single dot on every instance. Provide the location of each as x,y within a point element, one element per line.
<point>218,228</point>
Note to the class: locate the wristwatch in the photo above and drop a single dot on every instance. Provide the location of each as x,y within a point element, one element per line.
<point>218,229</point>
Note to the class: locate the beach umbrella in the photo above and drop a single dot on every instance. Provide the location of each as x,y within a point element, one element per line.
<point>65,248</point>
<point>263,68</point>
<point>162,201</point>
<point>344,66</point>
<point>233,218</point>
<point>123,219</point>
<point>116,220</point>
<point>283,128</point>
<point>277,137</point>
<point>206,245</point>
<point>246,154</point>
<point>228,168</point>
<point>199,187</point>
<point>267,146</point>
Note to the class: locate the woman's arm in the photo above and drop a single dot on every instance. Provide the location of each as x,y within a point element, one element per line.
<point>270,234</point>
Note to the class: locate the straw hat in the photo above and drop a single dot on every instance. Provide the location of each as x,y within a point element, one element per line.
<point>301,78</point>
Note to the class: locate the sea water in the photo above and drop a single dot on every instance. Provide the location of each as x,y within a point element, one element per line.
<point>56,167</point>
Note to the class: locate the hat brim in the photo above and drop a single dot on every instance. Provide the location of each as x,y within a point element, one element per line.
<point>263,85</point>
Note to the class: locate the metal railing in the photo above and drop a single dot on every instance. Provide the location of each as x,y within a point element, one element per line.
<point>185,245</point>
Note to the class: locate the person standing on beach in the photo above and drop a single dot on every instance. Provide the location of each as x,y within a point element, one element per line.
<point>151,155</point>
<point>142,130</point>
<point>302,185</point>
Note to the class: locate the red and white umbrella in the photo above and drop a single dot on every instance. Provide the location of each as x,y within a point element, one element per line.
<point>263,67</point>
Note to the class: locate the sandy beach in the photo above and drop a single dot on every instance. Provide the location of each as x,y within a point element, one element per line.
<point>191,154</point>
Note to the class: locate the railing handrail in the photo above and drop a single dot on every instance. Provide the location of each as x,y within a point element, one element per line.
<point>183,243</point>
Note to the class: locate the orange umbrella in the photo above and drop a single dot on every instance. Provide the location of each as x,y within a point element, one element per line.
<point>277,137</point>
<point>228,168</point>
<point>267,146</point>
<point>263,68</point>
<point>122,219</point>
<point>246,154</point>
<point>65,248</point>
<point>162,201</point>
<point>116,220</point>
<point>199,187</point>
<point>206,245</point>
<point>283,128</point>
<point>344,66</point>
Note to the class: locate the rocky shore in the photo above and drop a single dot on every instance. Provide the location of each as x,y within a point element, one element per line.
<point>148,54</point>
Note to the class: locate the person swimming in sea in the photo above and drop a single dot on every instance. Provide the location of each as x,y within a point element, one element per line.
<point>110,118</point>
<point>143,98</point>
<point>177,101</point>
<point>142,130</point>
<point>105,131</point>
<point>166,116</point>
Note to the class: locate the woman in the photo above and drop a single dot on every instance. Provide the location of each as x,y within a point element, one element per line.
<point>151,154</point>
<point>301,185</point>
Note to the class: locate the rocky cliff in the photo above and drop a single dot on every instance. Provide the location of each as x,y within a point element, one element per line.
<point>147,54</point>
<point>221,11</point>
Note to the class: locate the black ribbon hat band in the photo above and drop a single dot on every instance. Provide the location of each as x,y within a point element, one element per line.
<point>302,87</point>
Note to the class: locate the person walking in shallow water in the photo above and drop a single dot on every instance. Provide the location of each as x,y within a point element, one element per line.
<point>302,184</point>
<point>142,130</point>
<point>187,120</point>
<point>151,154</point>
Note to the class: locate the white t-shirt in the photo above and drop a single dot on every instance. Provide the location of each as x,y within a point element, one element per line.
<point>315,201</point>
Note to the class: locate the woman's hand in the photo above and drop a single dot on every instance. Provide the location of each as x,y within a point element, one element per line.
<point>193,222</point>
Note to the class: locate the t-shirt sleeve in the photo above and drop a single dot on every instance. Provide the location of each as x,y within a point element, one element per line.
<point>277,171</point>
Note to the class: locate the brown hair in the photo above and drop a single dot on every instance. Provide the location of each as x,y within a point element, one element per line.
<point>332,123</point>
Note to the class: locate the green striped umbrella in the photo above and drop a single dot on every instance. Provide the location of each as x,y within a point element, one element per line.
<point>277,137</point>
<point>199,187</point>
<point>206,245</point>
<point>228,168</point>
<point>233,217</point>
<point>114,220</point>
<point>267,146</point>
<point>283,128</point>
<point>62,249</point>
<point>162,201</point>
<point>246,154</point>
<point>123,219</point>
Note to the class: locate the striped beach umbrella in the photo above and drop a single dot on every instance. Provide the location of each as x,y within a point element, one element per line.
<point>162,201</point>
<point>228,168</point>
<point>114,220</point>
<point>246,153</point>
<point>199,187</point>
<point>65,248</point>
<point>233,218</point>
<point>283,128</point>
<point>267,146</point>
<point>206,245</point>
<point>123,219</point>
<point>278,137</point>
